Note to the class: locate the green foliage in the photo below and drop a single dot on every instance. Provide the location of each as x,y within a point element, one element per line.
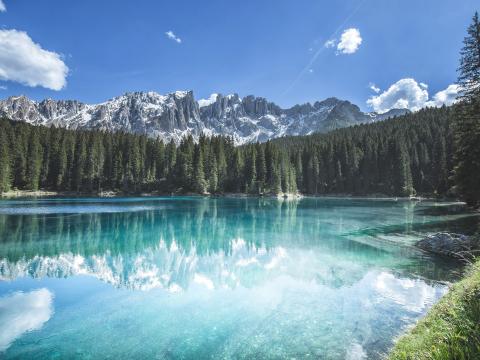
<point>467,152</point>
<point>451,330</point>
<point>399,157</point>
<point>34,161</point>
<point>469,69</point>
<point>5,164</point>
<point>467,119</point>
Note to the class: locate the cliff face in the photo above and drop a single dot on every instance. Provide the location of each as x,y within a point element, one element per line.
<point>178,114</point>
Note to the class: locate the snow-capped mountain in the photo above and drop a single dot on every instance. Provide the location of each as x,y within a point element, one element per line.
<point>177,114</point>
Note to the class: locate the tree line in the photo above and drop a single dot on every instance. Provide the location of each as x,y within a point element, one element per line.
<point>396,157</point>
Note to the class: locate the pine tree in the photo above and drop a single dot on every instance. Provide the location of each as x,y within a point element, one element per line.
<point>469,70</point>
<point>5,163</point>
<point>237,171</point>
<point>199,183</point>
<point>213,176</point>
<point>312,172</point>
<point>251,171</point>
<point>20,149</point>
<point>61,166</point>
<point>467,152</point>
<point>292,181</point>
<point>34,161</point>
<point>276,182</point>
<point>79,163</point>
<point>467,119</point>
<point>133,168</point>
<point>261,168</point>
<point>298,170</point>
<point>402,176</point>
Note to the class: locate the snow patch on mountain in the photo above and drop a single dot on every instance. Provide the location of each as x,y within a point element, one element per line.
<point>176,115</point>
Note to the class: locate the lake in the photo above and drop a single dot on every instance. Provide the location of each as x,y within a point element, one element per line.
<point>219,278</point>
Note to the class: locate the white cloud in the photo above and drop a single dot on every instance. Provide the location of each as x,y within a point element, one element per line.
<point>408,94</point>
<point>22,312</point>
<point>2,6</point>
<point>3,87</point>
<point>445,97</point>
<point>170,34</point>
<point>404,94</point>
<point>209,101</point>
<point>349,41</point>
<point>330,43</point>
<point>374,87</point>
<point>24,61</point>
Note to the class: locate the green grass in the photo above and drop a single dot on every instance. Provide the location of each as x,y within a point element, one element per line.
<point>451,329</point>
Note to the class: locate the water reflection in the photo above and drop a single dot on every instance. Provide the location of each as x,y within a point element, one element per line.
<point>228,242</point>
<point>218,278</point>
<point>21,312</point>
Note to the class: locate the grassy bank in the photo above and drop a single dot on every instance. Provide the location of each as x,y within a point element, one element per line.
<point>451,330</point>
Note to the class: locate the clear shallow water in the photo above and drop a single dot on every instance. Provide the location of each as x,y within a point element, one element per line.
<point>187,277</point>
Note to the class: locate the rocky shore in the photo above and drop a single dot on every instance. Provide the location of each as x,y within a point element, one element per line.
<point>450,244</point>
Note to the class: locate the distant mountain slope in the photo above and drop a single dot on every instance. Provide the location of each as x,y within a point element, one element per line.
<point>177,114</point>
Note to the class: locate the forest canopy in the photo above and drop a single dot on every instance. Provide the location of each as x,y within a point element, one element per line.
<point>407,155</point>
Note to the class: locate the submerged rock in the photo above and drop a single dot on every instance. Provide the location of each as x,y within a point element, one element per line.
<point>449,244</point>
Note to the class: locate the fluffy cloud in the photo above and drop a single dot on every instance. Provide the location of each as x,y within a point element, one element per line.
<point>404,94</point>
<point>24,61</point>
<point>170,34</point>
<point>2,6</point>
<point>23,312</point>
<point>3,87</point>
<point>209,101</point>
<point>408,94</point>
<point>374,87</point>
<point>349,41</point>
<point>445,97</point>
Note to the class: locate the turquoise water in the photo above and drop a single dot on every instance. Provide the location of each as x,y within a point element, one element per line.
<point>194,278</point>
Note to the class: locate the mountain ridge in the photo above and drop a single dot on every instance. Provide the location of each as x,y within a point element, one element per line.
<point>178,114</point>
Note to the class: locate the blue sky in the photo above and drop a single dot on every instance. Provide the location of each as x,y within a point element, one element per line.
<point>249,47</point>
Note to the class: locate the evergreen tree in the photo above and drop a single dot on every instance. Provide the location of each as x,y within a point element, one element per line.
<point>469,70</point>
<point>79,163</point>
<point>213,176</point>
<point>5,163</point>
<point>261,168</point>
<point>251,170</point>
<point>402,176</point>
<point>20,149</point>
<point>467,119</point>
<point>237,171</point>
<point>199,183</point>
<point>467,152</point>
<point>34,163</point>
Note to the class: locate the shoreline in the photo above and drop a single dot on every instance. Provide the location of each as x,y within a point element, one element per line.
<point>12,194</point>
<point>15,194</point>
<point>450,329</point>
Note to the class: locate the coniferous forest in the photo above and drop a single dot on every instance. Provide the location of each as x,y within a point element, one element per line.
<point>399,157</point>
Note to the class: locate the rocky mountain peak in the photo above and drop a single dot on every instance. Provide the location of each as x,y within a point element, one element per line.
<point>178,114</point>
